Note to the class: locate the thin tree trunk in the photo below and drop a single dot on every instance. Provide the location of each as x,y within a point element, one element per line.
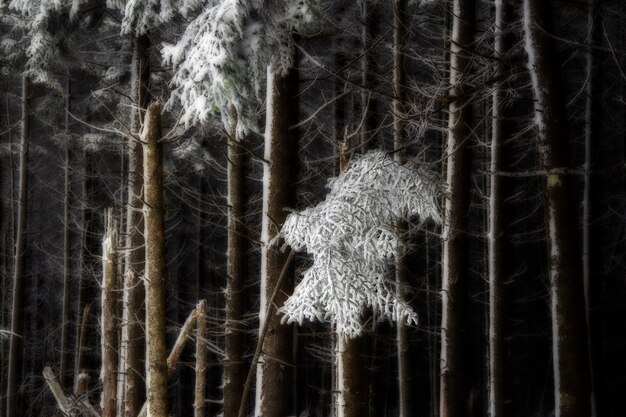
<point>156,291</point>
<point>572,386</point>
<point>368,9</point>
<point>108,374</point>
<point>454,385</point>
<point>407,372</point>
<point>275,372</point>
<point>234,370</point>
<point>201,351</point>
<point>64,371</point>
<point>591,252</point>
<point>133,315</point>
<point>17,310</point>
<point>500,389</point>
<point>80,351</point>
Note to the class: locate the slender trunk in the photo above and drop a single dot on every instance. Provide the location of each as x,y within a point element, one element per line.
<point>108,374</point>
<point>234,370</point>
<point>133,315</point>
<point>351,356</point>
<point>275,379</point>
<point>368,9</point>
<point>572,387</point>
<point>86,224</point>
<point>591,252</point>
<point>500,389</point>
<point>64,372</point>
<point>454,385</point>
<point>155,269</point>
<point>407,372</point>
<point>80,377</point>
<point>201,351</point>
<point>17,310</point>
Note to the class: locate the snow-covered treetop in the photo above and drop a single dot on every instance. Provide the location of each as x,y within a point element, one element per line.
<point>139,16</point>
<point>221,60</point>
<point>353,239</point>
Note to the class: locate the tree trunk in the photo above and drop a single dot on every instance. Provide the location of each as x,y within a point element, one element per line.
<point>407,372</point>
<point>368,10</point>
<point>154,234</point>
<point>234,370</point>
<point>590,254</point>
<point>133,336</point>
<point>454,385</point>
<point>64,371</point>
<point>108,374</point>
<point>572,387</point>
<point>500,390</point>
<point>17,310</point>
<point>275,379</point>
<point>201,351</point>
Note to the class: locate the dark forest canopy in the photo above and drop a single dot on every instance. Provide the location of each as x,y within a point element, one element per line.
<point>449,174</point>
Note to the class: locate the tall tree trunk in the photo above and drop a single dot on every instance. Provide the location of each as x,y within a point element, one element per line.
<point>454,385</point>
<point>407,372</point>
<point>572,387</point>
<point>234,370</point>
<point>500,390</point>
<point>201,351</point>
<point>275,379</point>
<point>17,310</point>
<point>133,337</point>
<point>591,267</point>
<point>156,291</point>
<point>110,317</point>
<point>368,15</point>
<point>64,372</point>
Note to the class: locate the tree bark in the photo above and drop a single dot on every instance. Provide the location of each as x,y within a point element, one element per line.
<point>17,309</point>
<point>108,374</point>
<point>133,336</point>
<point>572,386</point>
<point>154,234</point>
<point>590,254</point>
<point>234,370</point>
<point>407,404</point>
<point>500,389</point>
<point>64,372</point>
<point>454,392</point>
<point>201,351</point>
<point>275,379</point>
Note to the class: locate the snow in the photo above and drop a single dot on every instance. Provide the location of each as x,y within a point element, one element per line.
<point>220,61</point>
<point>353,240</point>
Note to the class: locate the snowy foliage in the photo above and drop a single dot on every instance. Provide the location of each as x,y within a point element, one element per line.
<point>221,60</point>
<point>142,15</point>
<point>47,48</point>
<point>353,240</point>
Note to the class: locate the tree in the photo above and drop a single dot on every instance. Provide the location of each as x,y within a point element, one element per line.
<point>227,57</point>
<point>454,263</point>
<point>500,384</point>
<point>274,380</point>
<point>156,291</point>
<point>406,370</point>
<point>110,317</point>
<point>17,308</point>
<point>572,385</point>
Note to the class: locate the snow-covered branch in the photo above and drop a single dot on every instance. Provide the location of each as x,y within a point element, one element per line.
<point>353,240</point>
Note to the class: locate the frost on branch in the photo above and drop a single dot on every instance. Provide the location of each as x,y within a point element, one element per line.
<point>353,240</point>
<point>221,61</point>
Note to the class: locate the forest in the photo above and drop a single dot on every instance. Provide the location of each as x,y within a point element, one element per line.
<point>312,208</point>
